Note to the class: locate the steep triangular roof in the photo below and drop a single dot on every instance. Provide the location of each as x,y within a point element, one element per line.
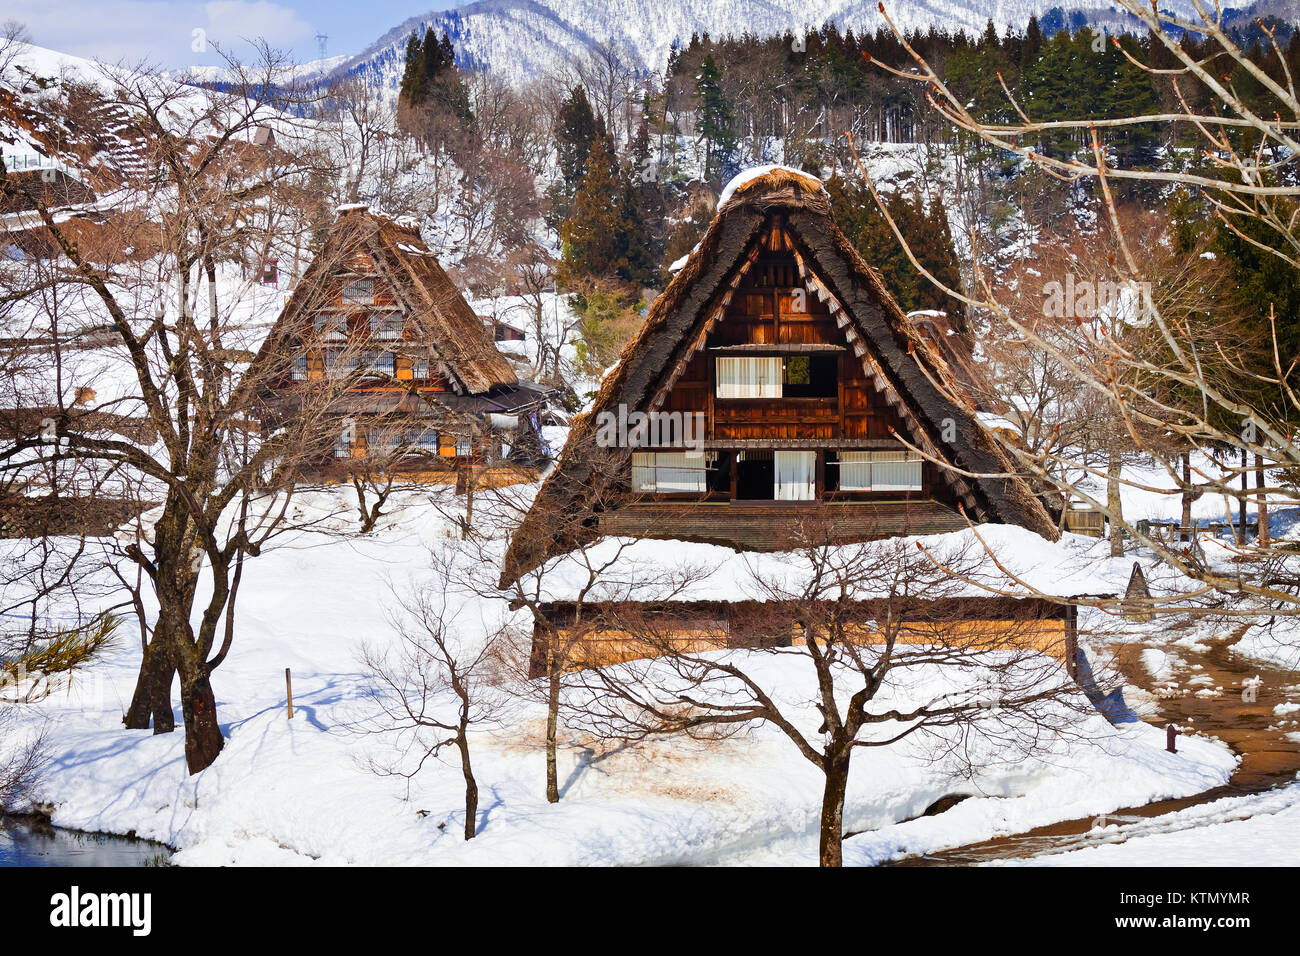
<point>899,360</point>
<point>469,358</point>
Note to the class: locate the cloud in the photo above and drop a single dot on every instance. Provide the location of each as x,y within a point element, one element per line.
<point>159,31</point>
<point>280,26</point>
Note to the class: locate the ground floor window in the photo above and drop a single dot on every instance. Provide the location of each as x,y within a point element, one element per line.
<point>426,440</point>
<point>667,472</point>
<point>880,471</point>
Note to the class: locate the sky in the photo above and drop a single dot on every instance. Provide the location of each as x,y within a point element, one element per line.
<point>163,31</point>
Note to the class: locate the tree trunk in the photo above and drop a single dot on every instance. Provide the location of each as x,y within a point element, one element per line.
<point>153,692</point>
<point>469,499</point>
<point>1241,502</point>
<point>203,740</point>
<point>552,732</point>
<point>1262,497</point>
<point>1115,505</point>
<point>831,845</point>
<point>1186,521</point>
<point>471,786</point>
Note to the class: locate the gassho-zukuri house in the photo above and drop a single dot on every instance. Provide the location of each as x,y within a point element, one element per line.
<point>763,406</point>
<point>413,375</point>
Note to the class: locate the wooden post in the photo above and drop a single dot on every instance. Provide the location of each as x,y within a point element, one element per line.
<point>1171,735</point>
<point>288,690</point>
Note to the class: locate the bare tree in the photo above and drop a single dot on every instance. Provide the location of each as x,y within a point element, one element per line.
<point>432,689</point>
<point>364,119</point>
<point>24,758</point>
<point>13,36</point>
<point>1199,396</point>
<point>214,486</point>
<point>883,648</point>
<point>541,661</point>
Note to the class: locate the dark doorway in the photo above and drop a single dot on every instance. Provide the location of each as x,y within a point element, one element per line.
<point>755,476</point>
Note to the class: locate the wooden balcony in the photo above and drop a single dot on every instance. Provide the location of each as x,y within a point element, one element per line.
<point>775,418</point>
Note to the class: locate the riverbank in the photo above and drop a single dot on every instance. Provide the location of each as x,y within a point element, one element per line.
<point>31,840</point>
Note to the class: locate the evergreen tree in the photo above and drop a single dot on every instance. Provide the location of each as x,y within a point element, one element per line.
<point>576,128</point>
<point>431,83</point>
<point>414,88</point>
<point>926,231</point>
<point>714,125</point>
<point>641,211</point>
<point>1031,48</point>
<point>593,244</point>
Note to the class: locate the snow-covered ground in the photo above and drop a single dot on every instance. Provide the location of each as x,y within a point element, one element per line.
<point>1259,830</point>
<point>300,791</point>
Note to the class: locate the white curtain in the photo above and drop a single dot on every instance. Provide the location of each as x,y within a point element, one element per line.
<point>855,471</point>
<point>880,471</point>
<point>749,377</point>
<point>895,471</point>
<point>796,475</point>
<point>643,471</point>
<point>667,472</point>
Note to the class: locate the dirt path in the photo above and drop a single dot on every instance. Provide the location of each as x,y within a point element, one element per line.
<point>1269,758</point>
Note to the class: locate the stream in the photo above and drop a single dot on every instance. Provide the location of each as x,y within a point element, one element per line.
<point>1269,758</point>
<point>30,841</point>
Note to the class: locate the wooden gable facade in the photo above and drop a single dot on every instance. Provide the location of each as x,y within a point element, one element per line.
<point>813,393</point>
<point>377,325</point>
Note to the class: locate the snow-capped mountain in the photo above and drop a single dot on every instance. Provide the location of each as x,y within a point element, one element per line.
<point>521,38</point>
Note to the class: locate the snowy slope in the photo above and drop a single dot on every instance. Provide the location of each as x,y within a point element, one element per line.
<point>522,38</point>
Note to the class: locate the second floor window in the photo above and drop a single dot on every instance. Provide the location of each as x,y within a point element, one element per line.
<point>359,292</point>
<point>331,326</point>
<point>386,327</point>
<point>425,440</point>
<point>749,377</point>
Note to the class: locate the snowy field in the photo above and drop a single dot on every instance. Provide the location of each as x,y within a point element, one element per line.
<point>301,791</point>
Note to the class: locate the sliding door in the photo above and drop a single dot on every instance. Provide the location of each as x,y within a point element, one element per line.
<point>796,475</point>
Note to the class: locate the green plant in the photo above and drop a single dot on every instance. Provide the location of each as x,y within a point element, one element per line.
<point>64,649</point>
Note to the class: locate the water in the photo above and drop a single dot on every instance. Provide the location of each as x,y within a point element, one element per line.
<point>1269,758</point>
<point>26,842</point>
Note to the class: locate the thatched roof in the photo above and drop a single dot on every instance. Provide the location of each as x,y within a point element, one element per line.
<point>901,361</point>
<point>423,289</point>
<point>957,351</point>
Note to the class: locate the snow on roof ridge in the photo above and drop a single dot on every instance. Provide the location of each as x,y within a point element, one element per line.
<point>743,180</point>
<point>680,264</point>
